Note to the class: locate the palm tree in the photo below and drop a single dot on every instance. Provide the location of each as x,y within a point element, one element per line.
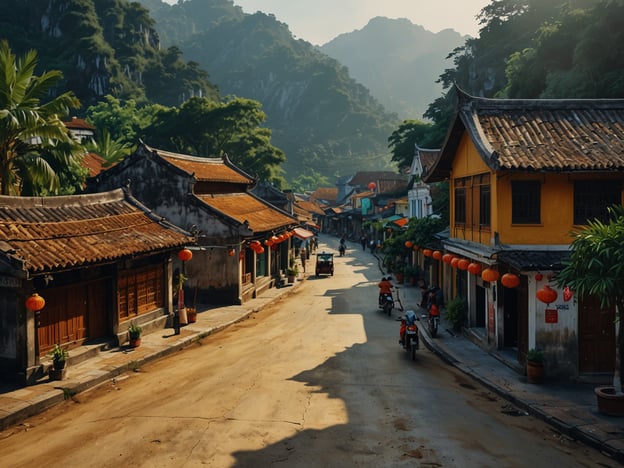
<point>28,126</point>
<point>596,268</point>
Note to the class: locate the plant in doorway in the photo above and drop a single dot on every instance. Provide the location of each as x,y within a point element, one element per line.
<point>293,271</point>
<point>59,362</point>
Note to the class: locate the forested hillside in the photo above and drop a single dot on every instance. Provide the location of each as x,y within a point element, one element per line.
<point>398,61</point>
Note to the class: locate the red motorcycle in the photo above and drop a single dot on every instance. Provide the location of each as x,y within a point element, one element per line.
<point>409,333</point>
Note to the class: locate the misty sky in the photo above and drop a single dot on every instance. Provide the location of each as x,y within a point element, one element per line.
<point>319,21</point>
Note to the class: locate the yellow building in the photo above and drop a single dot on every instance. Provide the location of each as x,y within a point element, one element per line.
<point>524,174</point>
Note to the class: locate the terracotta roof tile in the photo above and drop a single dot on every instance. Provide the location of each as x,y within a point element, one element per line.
<point>78,124</point>
<point>206,169</point>
<point>242,207</point>
<point>329,194</point>
<point>539,134</point>
<point>93,162</point>
<point>362,179</point>
<point>55,233</point>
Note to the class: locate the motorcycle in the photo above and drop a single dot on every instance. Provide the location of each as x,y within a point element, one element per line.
<point>387,303</point>
<point>433,320</point>
<point>409,334</point>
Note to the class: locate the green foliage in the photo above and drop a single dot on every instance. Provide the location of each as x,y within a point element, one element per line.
<point>58,353</point>
<point>535,355</point>
<point>111,150</point>
<point>134,331</point>
<point>455,312</point>
<point>596,268</point>
<point>403,141</point>
<point>309,182</point>
<point>26,118</point>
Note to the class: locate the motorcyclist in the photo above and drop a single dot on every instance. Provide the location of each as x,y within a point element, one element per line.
<point>385,287</point>
<point>410,319</point>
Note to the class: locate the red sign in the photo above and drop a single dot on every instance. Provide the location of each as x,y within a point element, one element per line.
<point>551,316</point>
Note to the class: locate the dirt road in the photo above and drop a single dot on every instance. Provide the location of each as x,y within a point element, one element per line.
<point>316,380</point>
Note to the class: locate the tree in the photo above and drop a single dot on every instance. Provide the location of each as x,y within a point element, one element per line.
<point>596,268</point>
<point>28,127</point>
<point>403,141</point>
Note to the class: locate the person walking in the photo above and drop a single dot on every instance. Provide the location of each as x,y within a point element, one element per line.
<point>304,257</point>
<point>363,241</point>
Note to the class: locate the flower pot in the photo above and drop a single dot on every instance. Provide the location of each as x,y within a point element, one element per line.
<point>59,365</point>
<point>135,342</point>
<point>291,278</point>
<point>535,372</point>
<point>609,402</point>
<point>183,316</point>
<point>58,374</point>
<point>191,314</point>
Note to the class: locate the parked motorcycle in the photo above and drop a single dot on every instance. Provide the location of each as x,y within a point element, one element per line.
<point>433,320</point>
<point>409,333</point>
<point>387,303</point>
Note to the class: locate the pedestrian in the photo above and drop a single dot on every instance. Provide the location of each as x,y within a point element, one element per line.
<point>372,246</point>
<point>303,258</point>
<point>363,241</point>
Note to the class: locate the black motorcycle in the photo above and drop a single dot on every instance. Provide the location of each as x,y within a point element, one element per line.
<point>409,333</point>
<point>387,303</point>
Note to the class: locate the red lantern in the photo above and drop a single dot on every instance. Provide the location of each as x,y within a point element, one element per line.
<point>509,280</point>
<point>490,275</point>
<point>260,250</point>
<point>463,264</point>
<point>567,293</point>
<point>372,185</point>
<point>446,258</point>
<point>35,302</point>
<point>547,294</point>
<point>268,242</point>
<point>474,268</point>
<point>274,240</point>
<point>454,262</point>
<point>539,277</point>
<point>185,255</point>
<point>231,252</point>
<point>437,254</point>
<point>427,252</point>
<point>408,244</point>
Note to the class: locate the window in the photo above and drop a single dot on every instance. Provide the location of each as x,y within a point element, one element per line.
<point>525,202</point>
<point>460,200</point>
<point>484,206</point>
<point>592,198</point>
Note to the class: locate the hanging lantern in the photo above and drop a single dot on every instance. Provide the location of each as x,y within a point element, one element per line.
<point>547,294</point>
<point>539,277</point>
<point>509,280</point>
<point>567,293</point>
<point>231,252</point>
<point>474,268</point>
<point>35,302</point>
<point>454,262</point>
<point>437,254</point>
<point>268,242</point>
<point>427,252</point>
<point>408,244</point>
<point>372,185</point>
<point>490,275</point>
<point>274,240</point>
<point>260,250</point>
<point>185,255</point>
<point>446,258</point>
<point>463,264</point>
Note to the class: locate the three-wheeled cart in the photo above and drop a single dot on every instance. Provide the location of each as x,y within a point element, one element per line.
<point>324,264</point>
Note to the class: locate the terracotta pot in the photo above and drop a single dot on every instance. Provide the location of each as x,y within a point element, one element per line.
<point>609,402</point>
<point>535,372</point>
<point>191,315</point>
<point>135,342</point>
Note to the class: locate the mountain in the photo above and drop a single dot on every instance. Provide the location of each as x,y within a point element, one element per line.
<point>102,47</point>
<point>323,119</point>
<point>398,61</point>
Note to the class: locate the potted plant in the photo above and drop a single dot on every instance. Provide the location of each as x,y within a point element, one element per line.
<point>292,270</point>
<point>59,362</point>
<point>134,335</point>
<point>603,244</point>
<point>535,366</point>
<point>456,312</point>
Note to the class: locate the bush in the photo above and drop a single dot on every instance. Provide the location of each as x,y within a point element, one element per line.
<point>456,312</point>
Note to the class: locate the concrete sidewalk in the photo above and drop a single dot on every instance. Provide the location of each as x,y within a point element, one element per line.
<point>568,407</point>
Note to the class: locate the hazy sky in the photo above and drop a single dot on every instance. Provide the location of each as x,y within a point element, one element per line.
<point>319,21</point>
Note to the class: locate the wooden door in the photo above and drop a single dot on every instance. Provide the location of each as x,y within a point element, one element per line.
<point>63,319</point>
<point>97,310</point>
<point>596,337</point>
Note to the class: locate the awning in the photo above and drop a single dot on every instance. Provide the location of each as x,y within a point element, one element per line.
<point>401,222</point>
<point>302,233</point>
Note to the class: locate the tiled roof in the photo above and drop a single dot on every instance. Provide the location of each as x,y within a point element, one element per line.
<point>362,179</point>
<point>534,260</point>
<point>538,135</point>
<point>309,206</point>
<point>55,233</point>
<point>78,124</point>
<point>93,162</point>
<point>206,169</point>
<point>242,207</point>
<point>428,157</point>
<point>329,194</point>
